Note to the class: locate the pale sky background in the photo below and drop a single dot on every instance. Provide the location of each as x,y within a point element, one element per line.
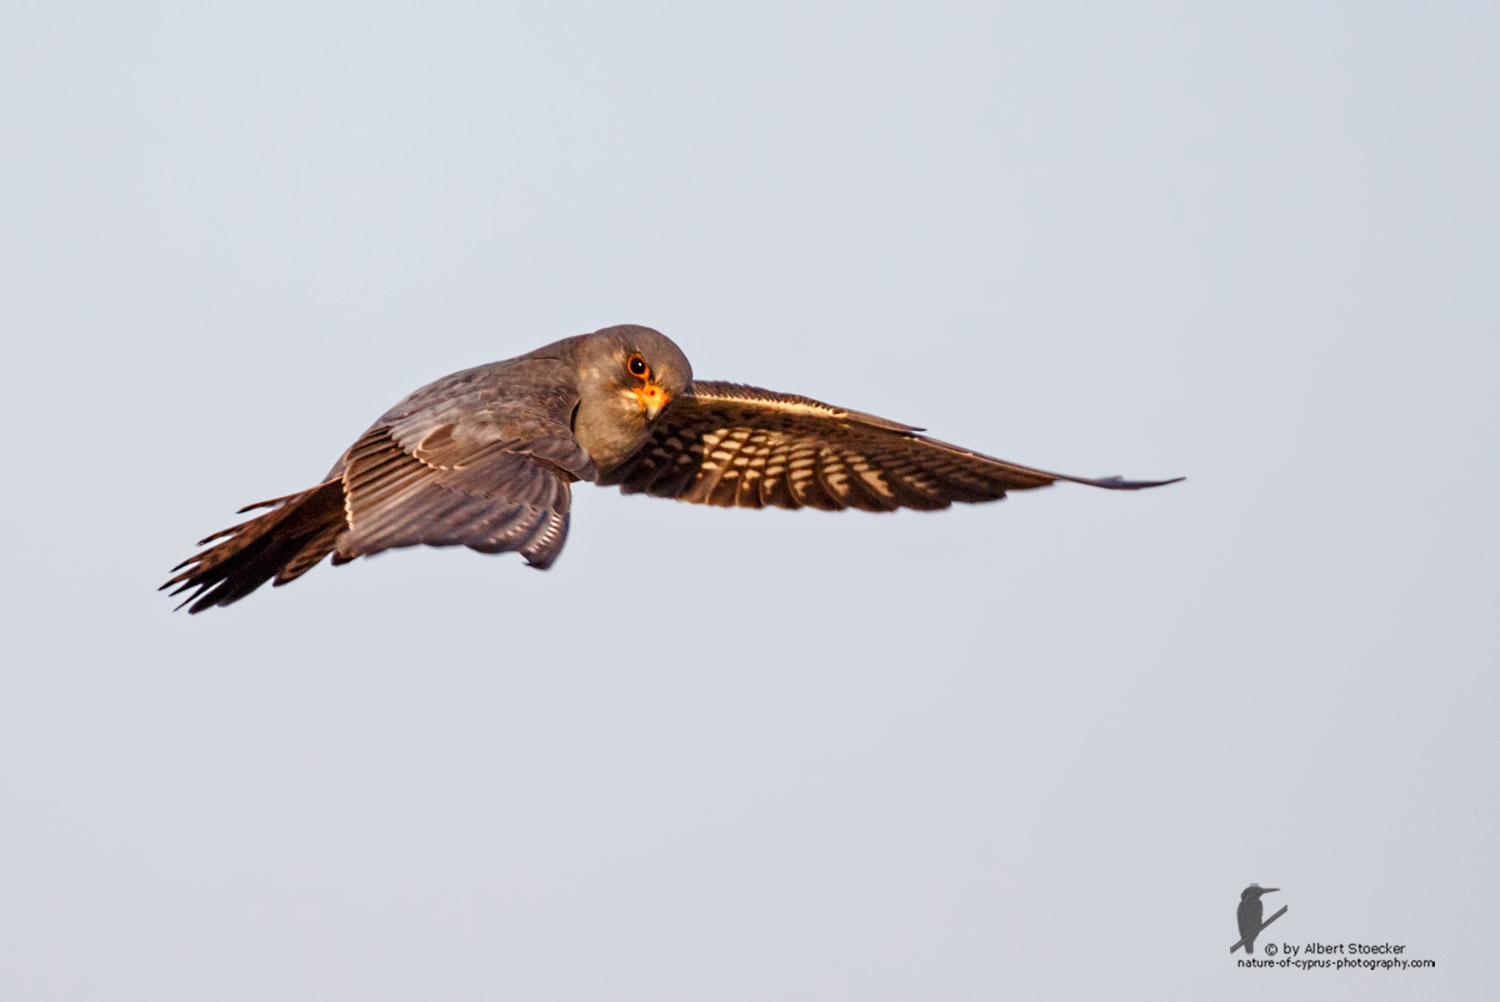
<point>1025,750</point>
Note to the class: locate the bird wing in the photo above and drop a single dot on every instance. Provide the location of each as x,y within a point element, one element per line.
<point>468,461</point>
<point>481,458</point>
<point>731,445</point>
<point>445,490</point>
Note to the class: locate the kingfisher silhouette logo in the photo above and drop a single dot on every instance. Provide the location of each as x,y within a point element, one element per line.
<point>1249,915</point>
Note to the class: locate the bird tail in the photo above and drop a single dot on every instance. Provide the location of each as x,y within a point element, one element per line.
<point>283,543</point>
<point>1250,946</point>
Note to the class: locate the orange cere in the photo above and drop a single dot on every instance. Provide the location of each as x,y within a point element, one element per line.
<point>652,397</point>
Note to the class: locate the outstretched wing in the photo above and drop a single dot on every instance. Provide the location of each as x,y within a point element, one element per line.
<point>482,459</point>
<point>446,490</point>
<point>731,445</point>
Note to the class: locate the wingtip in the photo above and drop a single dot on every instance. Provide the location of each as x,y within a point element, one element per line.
<point>1121,484</point>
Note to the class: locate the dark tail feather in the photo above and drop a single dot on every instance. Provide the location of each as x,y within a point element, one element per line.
<point>284,544</point>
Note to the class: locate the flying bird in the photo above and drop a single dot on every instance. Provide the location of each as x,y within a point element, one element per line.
<point>1249,913</point>
<point>485,458</point>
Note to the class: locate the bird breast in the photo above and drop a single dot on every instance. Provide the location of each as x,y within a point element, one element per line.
<point>610,427</point>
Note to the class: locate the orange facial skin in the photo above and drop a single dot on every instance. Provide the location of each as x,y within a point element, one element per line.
<point>652,397</point>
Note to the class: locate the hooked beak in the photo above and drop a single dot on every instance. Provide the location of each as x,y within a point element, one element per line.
<point>652,397</point>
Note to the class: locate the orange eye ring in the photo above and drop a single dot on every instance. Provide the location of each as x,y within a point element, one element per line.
<point>637,367</point>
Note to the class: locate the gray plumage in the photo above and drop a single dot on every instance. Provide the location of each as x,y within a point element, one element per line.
<point>485,458</point>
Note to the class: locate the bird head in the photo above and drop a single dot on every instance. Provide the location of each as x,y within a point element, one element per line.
<point>639,367</point>
<point>1255,891</point>
<point>627,376</point>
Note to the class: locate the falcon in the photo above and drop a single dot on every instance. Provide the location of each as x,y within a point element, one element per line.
<point>486,458</point>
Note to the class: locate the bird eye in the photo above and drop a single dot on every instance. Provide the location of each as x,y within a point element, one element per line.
<point>638,367</point>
